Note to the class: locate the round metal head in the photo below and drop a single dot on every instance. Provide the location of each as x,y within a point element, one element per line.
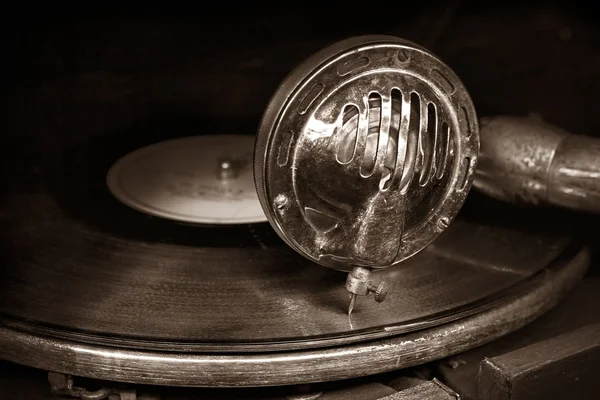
<point>366,153</point>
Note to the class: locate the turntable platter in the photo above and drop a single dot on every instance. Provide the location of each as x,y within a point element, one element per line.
<point>129,319</point>
<point>90,286</point>
<point>79,283</point>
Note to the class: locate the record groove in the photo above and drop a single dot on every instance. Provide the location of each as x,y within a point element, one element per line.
<point>78,264</point>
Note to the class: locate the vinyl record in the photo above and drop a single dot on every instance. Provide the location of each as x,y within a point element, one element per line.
<point>69,189</point>
<point>198,316</point>
<point>88,281</point>
<point>69,280</point>
<point>78,262</point>
<point>201,179</point>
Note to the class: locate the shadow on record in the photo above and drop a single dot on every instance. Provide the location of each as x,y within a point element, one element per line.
<point>169,188</point>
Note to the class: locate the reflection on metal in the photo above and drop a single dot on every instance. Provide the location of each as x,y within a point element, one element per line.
<point>366,154</point>
<point>527,161</point>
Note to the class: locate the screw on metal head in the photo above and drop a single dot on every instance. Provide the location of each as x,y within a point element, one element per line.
<point>381,291</point>
<point>356,131</point>
<point>281,201</point>
<point>359,283</point>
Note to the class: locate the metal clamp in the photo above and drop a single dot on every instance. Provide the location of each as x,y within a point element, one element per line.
<point>524,160</point>
<point>62,386</point>
<point>359,283</point>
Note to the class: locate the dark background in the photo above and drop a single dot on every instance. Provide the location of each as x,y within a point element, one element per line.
<point>75,77</point>
<point>78,92</point>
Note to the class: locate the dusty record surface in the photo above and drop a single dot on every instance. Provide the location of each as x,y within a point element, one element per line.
<point>76,263</point>
<point>68,277</point>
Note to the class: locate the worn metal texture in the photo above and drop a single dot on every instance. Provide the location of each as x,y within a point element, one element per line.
<point>524,160</point>
<point>366,153</point>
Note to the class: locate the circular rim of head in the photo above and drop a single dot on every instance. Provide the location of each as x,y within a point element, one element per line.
<point>309,86</point>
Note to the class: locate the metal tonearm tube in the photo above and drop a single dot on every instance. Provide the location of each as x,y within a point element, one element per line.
<point>524,160</point>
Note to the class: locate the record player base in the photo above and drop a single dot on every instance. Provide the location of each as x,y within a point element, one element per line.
<point>298,367</point>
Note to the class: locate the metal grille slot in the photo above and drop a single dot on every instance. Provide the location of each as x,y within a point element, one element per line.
<point>379,126</point>
<point>405,138</point>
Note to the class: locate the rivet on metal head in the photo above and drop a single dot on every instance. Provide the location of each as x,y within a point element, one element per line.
<point>281,201</point>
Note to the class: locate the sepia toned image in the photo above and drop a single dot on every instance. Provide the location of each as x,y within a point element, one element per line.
<point>339,202</point>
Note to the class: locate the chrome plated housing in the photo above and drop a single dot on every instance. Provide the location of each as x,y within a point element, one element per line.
<point>366,153</point>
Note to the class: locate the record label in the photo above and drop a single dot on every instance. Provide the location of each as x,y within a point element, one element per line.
<point>202,179</point>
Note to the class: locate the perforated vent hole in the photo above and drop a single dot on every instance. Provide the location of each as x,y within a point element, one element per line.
<point>464,172</point>
<point>412,142</point>
<point>441,156</point>
<point>349,134</point>
<point>392,148</point>
<point>428,141</point>
<point>374,116</point>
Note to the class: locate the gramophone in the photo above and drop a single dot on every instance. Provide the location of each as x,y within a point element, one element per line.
<point>362,161</point>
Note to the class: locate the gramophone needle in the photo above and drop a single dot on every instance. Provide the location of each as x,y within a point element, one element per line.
<point>351,306</point>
